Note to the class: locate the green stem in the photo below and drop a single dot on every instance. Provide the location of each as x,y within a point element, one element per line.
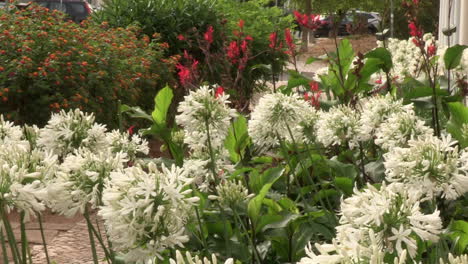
<point>210,150</point>
<point>109,253</point>
<point>39,218</point>
<point>11,237</point>
<point>4,249</point>
<point>97,234</point>
<point>24,239</point>
<point>303,167</point>
<point>91,238</point>
<point>250,238</point>
<point>202,233</point>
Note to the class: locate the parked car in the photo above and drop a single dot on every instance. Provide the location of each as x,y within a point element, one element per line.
<point>349,22</point>
<point>77,10</point>
<point>326,27</point>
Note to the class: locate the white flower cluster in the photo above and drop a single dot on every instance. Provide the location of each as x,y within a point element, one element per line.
<point>188,259</point>
<point>80,180</point>
<point>375,111</point>
<point>145,211</point>
<point>232,194</point>
<point>279,117</point>
<point>431,164</point>
<point>23,173</point>
<point>67,131</point>
<point>406,57</point>
<point>338,127</point>
<point>130,145</point>
<point>376,222</point>
<point>202,113</point>
<point>400,127</point>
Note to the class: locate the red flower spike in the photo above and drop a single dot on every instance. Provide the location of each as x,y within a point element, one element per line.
<point>130,130</point>
<point>180,37</point>
<point>209,35</point>
<point>273,39</point>
<point>431,50</point>
<point>241,24</point>
<point>414,30</point>
<point>219,91</point>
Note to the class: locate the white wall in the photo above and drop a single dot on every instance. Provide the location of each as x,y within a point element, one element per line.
<point>458,17</point>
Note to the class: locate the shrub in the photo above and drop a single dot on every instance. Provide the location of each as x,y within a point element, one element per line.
<point>183,23</point>
<point>47,63</point>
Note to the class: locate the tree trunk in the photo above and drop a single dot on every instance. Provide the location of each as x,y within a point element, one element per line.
<point>305,31</point>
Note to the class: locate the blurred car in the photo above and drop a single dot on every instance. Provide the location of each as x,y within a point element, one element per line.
<point>326,27</point>
<point>353,22</point>
<point>77,10</point>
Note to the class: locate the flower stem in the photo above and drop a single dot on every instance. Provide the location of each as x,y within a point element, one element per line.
<point>11,237</point>
<point>91,238</point>
<point>24,239</point>
<point>39,218</point>
<point>210,150</point>
<point>4,250</point>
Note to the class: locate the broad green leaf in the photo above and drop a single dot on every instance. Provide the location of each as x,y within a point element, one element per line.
<point>255,204</point>
<point>283,222</point>
<point>237,139</point>
<point>453,56</point>
<point>460,235</point>
<point>341,169</point>
<point>346,55</point>
<point>458,123</point>
<point>162,102</point>
<point>135,112</point>
<point>345,185</point>
<point>375,170</point>
<point>311,60</point>
<point>384,56</point>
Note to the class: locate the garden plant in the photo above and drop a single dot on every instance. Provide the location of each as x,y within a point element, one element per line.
<point>366,162</point>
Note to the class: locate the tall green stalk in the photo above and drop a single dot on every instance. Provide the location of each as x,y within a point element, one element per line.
<point>39,218</point>
<point>11,237</point>
<point>24,239</point>
<point>4,249</point>
<point>91,237</point>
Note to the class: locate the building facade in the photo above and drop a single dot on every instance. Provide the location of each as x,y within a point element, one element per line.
<point>453,13</point>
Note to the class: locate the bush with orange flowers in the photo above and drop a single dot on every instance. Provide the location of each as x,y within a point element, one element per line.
<point>48,63</point>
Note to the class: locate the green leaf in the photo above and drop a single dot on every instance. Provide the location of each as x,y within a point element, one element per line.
<point>255,204</point>
<point>345,185</point>
<point>459,235</point>
<point>237,139</point>
<point>283,222</point>
<point>311,60</point>
<point>162,101</point>
<point>341,169</point>
<point>375,170</point>
<point>384,56</point>
<point>453,56</point>
<point>135,112</point>
<point>458,122</point>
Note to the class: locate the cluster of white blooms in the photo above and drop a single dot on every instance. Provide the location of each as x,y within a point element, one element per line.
<point>80,180</point>
<point>375,111</point>
<point>379,221</point>
<point>67,131</point>
<point>130,145</point>
<point>9,132</point>
<point>400,127</point>
<point>279,117</point>
<point>406,57</point>
<point>145,211</point>
<point>202,109</point>
<point>339,126</point>
<point>202,174</point>
<point>463,259</point>
<point>23,172</point>
<point>232,194</point>
<point>431,164</point>
<point>188,259</point>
